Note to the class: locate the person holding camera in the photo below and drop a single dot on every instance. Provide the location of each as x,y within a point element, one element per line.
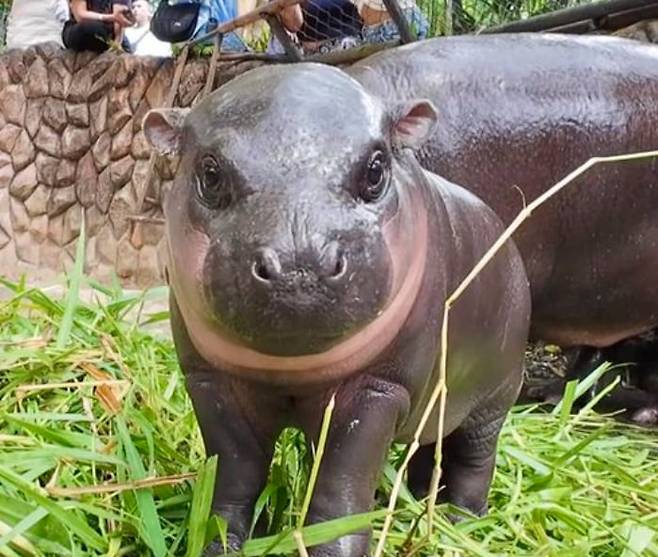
<point>94,24</point>
<point>142,41</point>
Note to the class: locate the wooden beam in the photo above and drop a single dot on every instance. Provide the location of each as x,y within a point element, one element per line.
<point>394,10</point>
<point>212,68</point>
<point>142,191</point>
<point>292,52</point>
<point>350,55</point>
<point>576,28</point>
<point>562,18</point>
<point>619,20</point>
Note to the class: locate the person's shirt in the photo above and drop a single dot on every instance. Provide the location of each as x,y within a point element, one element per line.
<point>145,43</point>
<point>36,21</point>
<point>100,6</point>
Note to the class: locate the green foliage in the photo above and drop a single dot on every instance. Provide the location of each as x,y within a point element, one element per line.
<point>99,449</point>
<point>5,6</point>
<point>474,15</point>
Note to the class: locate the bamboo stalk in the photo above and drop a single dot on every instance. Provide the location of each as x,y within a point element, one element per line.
<point>212,68</point>
<point>299,542</point>
<point>117,488</point>
<point>169,101</point>
<point>71,385</point>
<point>440,390</point>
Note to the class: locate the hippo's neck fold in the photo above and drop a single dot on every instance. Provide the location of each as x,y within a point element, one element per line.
<point>341,360</point>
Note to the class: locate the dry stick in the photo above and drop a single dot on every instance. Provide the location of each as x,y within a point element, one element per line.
<point>319,453</point>
<point>448,17</point>
<point>212,69</point>
<point>322,441</point>
<point>146,220</point>
<point>440,388</point>
<point>169,101</point>
<point>70,385</point>
<point>299,542</point>
<point>118,488</point>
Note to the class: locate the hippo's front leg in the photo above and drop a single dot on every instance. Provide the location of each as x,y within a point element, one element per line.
<point>362,427</point>
<point>469,456</point>
<point>244,445</point>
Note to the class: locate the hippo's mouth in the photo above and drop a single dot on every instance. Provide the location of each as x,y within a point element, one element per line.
<point>342,359</point>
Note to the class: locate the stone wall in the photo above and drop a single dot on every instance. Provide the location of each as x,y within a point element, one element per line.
<point>71,145</point>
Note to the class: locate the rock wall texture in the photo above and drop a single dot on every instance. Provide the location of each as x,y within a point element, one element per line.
<point>71,145</point>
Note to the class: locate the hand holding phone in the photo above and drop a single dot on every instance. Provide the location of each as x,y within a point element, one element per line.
<point>124,16</point>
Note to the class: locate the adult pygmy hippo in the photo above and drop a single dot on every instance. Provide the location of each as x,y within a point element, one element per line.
<point>516,114</point>
<point>310,255</point>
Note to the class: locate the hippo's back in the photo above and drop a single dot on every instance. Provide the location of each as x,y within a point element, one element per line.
<point>517,113</point>
<point>511,101</point>
<point>498,96</point>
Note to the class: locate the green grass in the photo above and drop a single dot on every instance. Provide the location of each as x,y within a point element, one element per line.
<point>111,468</point>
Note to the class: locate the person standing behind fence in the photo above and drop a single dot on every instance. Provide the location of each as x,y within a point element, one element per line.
<point>32,22</point>
<point>321,26</point>
<point>94,24</point>
<point>142,41</point>
<point>380,28</point>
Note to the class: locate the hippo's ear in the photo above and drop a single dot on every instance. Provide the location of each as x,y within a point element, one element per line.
<point>414,124</point>
<point>163,128</point>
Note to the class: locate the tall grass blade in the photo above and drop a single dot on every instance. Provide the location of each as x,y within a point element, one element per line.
<point>73,294</point>
<point>201,507</point>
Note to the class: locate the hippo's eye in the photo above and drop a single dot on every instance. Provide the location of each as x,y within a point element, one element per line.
<point>376,178</point>
<point>209,185</point>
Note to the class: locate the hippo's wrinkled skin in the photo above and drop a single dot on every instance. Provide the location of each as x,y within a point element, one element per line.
<point>310,255</point>
<point>516,113</point>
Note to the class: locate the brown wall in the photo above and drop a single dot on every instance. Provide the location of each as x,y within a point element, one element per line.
<point>71,145</point>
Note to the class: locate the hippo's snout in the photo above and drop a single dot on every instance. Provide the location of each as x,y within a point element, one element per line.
<point>330,266</point>
<point>295,297</point>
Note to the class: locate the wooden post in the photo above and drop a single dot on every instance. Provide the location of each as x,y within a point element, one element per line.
<point>212,68</point>
<point>169,101</point>
<point>292,52</point>
<point>406,34</point>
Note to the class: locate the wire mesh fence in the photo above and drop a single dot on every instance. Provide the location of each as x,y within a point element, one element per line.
<point>340,24</point>
<point>326,25</point>
<point>320,26</point>
<point>5,6</point>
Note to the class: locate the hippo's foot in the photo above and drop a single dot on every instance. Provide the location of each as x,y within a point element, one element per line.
<point>469,455</point>
<point>547,393</point>
<point>420,471</point>
<point>647,416</point>
<point>243,439</point>
<point>217,547</point>
<point>455,518</point>
<point>354,545</point>
<point>419,478</point>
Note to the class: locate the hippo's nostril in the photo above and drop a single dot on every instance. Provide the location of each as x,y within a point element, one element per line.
<point>267,266</point>
<point>333,261</point>
<point>260,271</point>
<point>341,267</point>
